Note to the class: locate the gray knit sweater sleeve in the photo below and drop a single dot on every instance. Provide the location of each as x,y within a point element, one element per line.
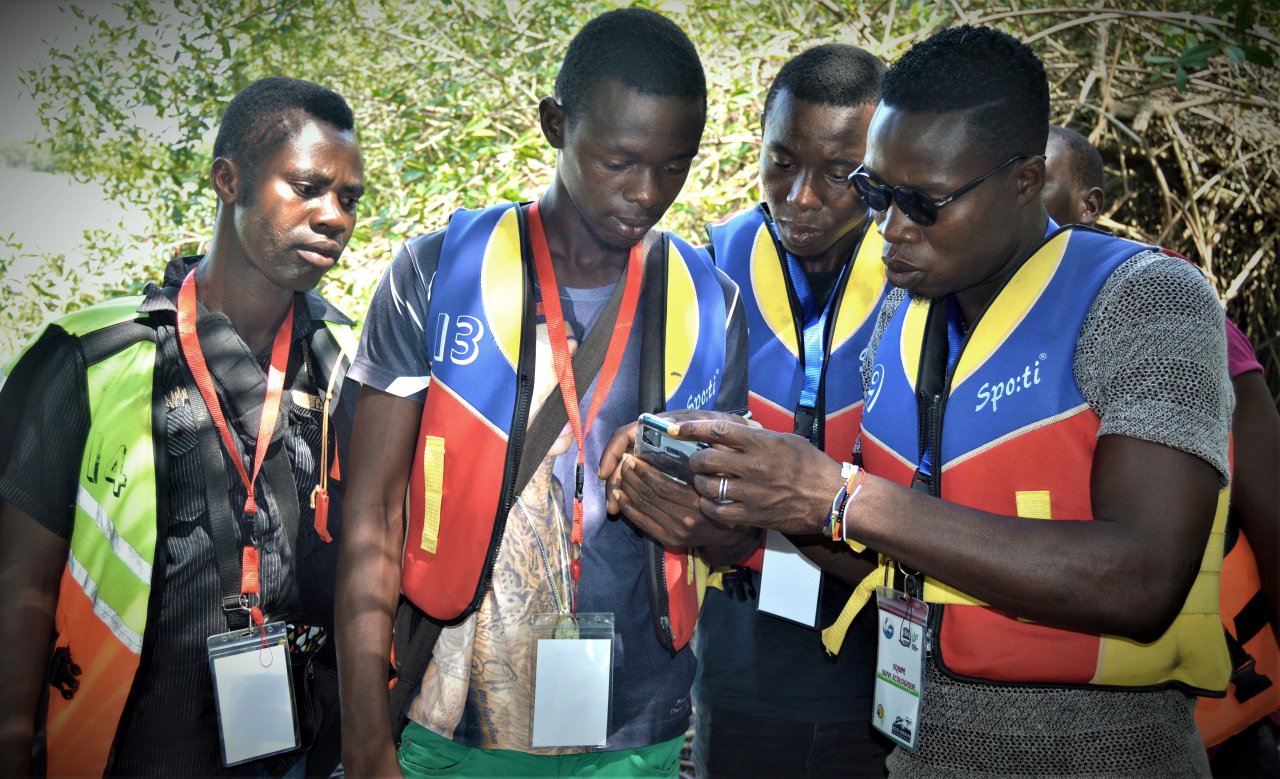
<point>888,308</point>
<point>1151,359</point>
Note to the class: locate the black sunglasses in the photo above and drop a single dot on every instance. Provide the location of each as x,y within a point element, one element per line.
<point>918,207</point>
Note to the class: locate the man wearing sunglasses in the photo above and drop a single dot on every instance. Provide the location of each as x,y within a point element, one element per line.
<point>1045,434</point>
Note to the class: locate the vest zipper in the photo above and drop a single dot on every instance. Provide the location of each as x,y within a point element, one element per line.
<point>519,421</point>
<point>515,445</point>
<point>936,407</point>
<point>659,599</point>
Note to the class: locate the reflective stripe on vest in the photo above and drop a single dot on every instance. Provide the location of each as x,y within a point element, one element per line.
<point>463,465</point>
<point>1018,440</point>
<point>747,250</point>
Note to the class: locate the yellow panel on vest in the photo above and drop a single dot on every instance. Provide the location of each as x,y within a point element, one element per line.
<point>682,321</point>
<point>433,479</point>
<point>912,337</point>
<point>502,286</point>
<point>1034,504</point>
<point>867,278</point>
<point>1191,651</point>
<point>769,286</point>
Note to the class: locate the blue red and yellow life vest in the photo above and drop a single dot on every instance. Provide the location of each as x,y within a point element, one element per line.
<point>748,251</point>
<point>480,338</point>
<point>110,586</point>
<point>1014,435</point>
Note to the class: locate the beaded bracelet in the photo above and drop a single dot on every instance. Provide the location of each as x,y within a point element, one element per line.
<point>833,526</point>
<point>840,531</point>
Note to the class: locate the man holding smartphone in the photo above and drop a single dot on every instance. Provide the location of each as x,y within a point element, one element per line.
<point>1046,436</point>
<point>448,413</point>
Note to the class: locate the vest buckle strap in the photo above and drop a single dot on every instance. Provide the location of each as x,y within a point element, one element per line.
<point>1248,681</point>
<point>63,673</point>
<point>240,602</point>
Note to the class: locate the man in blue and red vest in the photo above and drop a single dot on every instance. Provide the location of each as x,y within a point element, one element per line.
<point>467,343</point>
<point>1044,443</point>
<point>771,701</point>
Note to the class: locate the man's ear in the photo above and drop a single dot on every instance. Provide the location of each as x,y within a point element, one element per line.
<point>1092,205</point>
<point>1029,180</point>
<point>552,118</point>
<point>226,179</point>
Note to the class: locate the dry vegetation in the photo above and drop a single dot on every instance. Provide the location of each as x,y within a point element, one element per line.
<point>1182,103</point>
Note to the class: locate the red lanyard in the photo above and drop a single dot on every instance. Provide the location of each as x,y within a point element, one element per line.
<point>249,574</point>
<point>564,369</point>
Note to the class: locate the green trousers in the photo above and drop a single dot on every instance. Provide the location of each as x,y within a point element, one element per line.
<point>423,753</point>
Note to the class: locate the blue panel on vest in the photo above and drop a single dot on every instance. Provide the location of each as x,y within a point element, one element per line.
<point>701,382</point>
<point>464,352</point>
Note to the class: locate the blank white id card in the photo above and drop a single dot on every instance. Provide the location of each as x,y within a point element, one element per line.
<point>789,582</point>
<point>253,692</point>
<point>573,680</point>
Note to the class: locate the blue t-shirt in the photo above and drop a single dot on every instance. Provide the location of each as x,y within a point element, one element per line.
<point>650,685</point>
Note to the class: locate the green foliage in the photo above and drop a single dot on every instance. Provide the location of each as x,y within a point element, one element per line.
<point>446,96</point>
<point>1208,39</point>
<point>36,288</point>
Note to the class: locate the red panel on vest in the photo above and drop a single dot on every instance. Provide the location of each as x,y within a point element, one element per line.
<point>881,462</point>
<point>769,415</point>
<point>988,645</point>
<point>682,596</point>
<point>80,730</point>
<point>444,584</point>
<point>1056,458</point>
<point>840,432</point>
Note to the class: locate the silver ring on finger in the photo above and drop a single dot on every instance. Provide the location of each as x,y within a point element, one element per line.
<point>721,496</point>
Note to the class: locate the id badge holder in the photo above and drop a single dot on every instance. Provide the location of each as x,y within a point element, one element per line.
<point>253,693</point>
<point>900,658</point>
<point>572,679</point>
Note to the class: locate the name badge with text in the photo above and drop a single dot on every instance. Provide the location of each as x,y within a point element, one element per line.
<point>900,659</point>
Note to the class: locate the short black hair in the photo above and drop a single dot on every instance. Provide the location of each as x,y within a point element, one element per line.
<point>993,76</point>
<point>1085,162</point>
<point>267,112</point>
<point>642,49</point>
<point>831,74</point>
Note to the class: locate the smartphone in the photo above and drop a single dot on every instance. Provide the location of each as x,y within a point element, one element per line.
<point>667,454</point>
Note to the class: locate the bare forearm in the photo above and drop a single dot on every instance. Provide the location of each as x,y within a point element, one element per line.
<point>22,674</point>
<point>1254,494</point>
<point>1126,573</point>
<point>382,446</point>
<point>31,562</point>
<point>1035,569</point>
<point>368,587</point>
<point>835,558</point>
